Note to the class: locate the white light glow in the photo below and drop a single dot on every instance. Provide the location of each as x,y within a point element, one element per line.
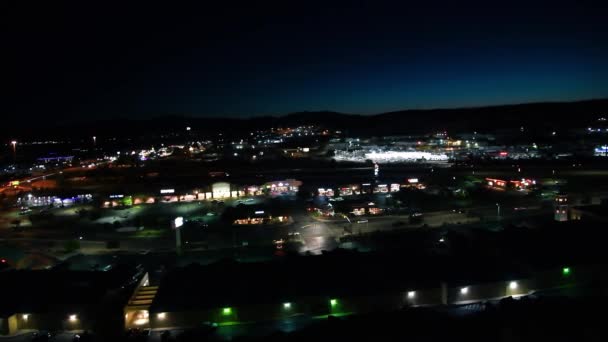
<point>464,290</point>
<point>403,155</point>
<point>73,318</point>
<point>391,156</point>
<point>161,315</point>
<point>141,321</point>
<point>411,294</point>
<point>513,285</point>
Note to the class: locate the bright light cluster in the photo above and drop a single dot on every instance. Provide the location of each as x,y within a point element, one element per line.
<point>391,156</point>
<point>396,156</point>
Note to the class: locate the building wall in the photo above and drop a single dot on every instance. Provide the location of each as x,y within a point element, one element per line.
<point>42,321</point>
<point>12,325</point>
<point>8,325</point>
<point>322,305</point>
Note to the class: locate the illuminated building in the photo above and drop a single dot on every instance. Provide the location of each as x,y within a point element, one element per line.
<point>561,208</point>
<point>325,192</point>
<point>365,208</point>
<point>391,156</point>
<point>220,190</point>
<point>346,191</point>
<point>258,215</point>
<point>137,313</point>
<point>381,189</point>
<point>284,187</point>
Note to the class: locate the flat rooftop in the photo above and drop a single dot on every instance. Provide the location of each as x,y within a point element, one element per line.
<point>342,273</point>
<point>58,290</point>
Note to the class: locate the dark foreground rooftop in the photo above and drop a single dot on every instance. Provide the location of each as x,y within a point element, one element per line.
<point>230,283</point>
<point>59,290</point>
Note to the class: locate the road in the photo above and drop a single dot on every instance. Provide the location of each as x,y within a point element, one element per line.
<point>315,235</point>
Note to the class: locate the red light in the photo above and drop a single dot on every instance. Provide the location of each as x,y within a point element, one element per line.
<point>503,154</point>
<point>3,261</point>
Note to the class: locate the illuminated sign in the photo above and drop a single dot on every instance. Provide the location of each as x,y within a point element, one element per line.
<point>178,222</point>
<point>412,180</point>
<point>259,212</point>
<point>14,183</point>
<point>117,196</point>
<point>167,191</point>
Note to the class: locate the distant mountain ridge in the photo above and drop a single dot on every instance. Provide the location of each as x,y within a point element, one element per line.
<point>533,115</point>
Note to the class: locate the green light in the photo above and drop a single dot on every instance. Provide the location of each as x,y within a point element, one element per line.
<point>333,302</point>
<point>566,271</point>
<point>227,311</point>
<point>286,305</point>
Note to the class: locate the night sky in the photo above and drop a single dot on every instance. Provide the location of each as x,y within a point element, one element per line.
<point>84,62</point>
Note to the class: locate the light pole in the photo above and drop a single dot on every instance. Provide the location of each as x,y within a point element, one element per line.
<point>498,211</point>
<point>94,140</point>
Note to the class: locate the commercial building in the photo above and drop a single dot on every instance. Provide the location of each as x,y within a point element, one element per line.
<point>62,300</point>
<point>214,191</point>
<point>230,293</point>
<point>254,215</point>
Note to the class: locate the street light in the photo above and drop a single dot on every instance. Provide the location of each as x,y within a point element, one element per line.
<point>498,211</point>
<point>14,143</point>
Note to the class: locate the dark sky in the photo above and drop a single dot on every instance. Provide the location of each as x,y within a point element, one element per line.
<point>84,61</point>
